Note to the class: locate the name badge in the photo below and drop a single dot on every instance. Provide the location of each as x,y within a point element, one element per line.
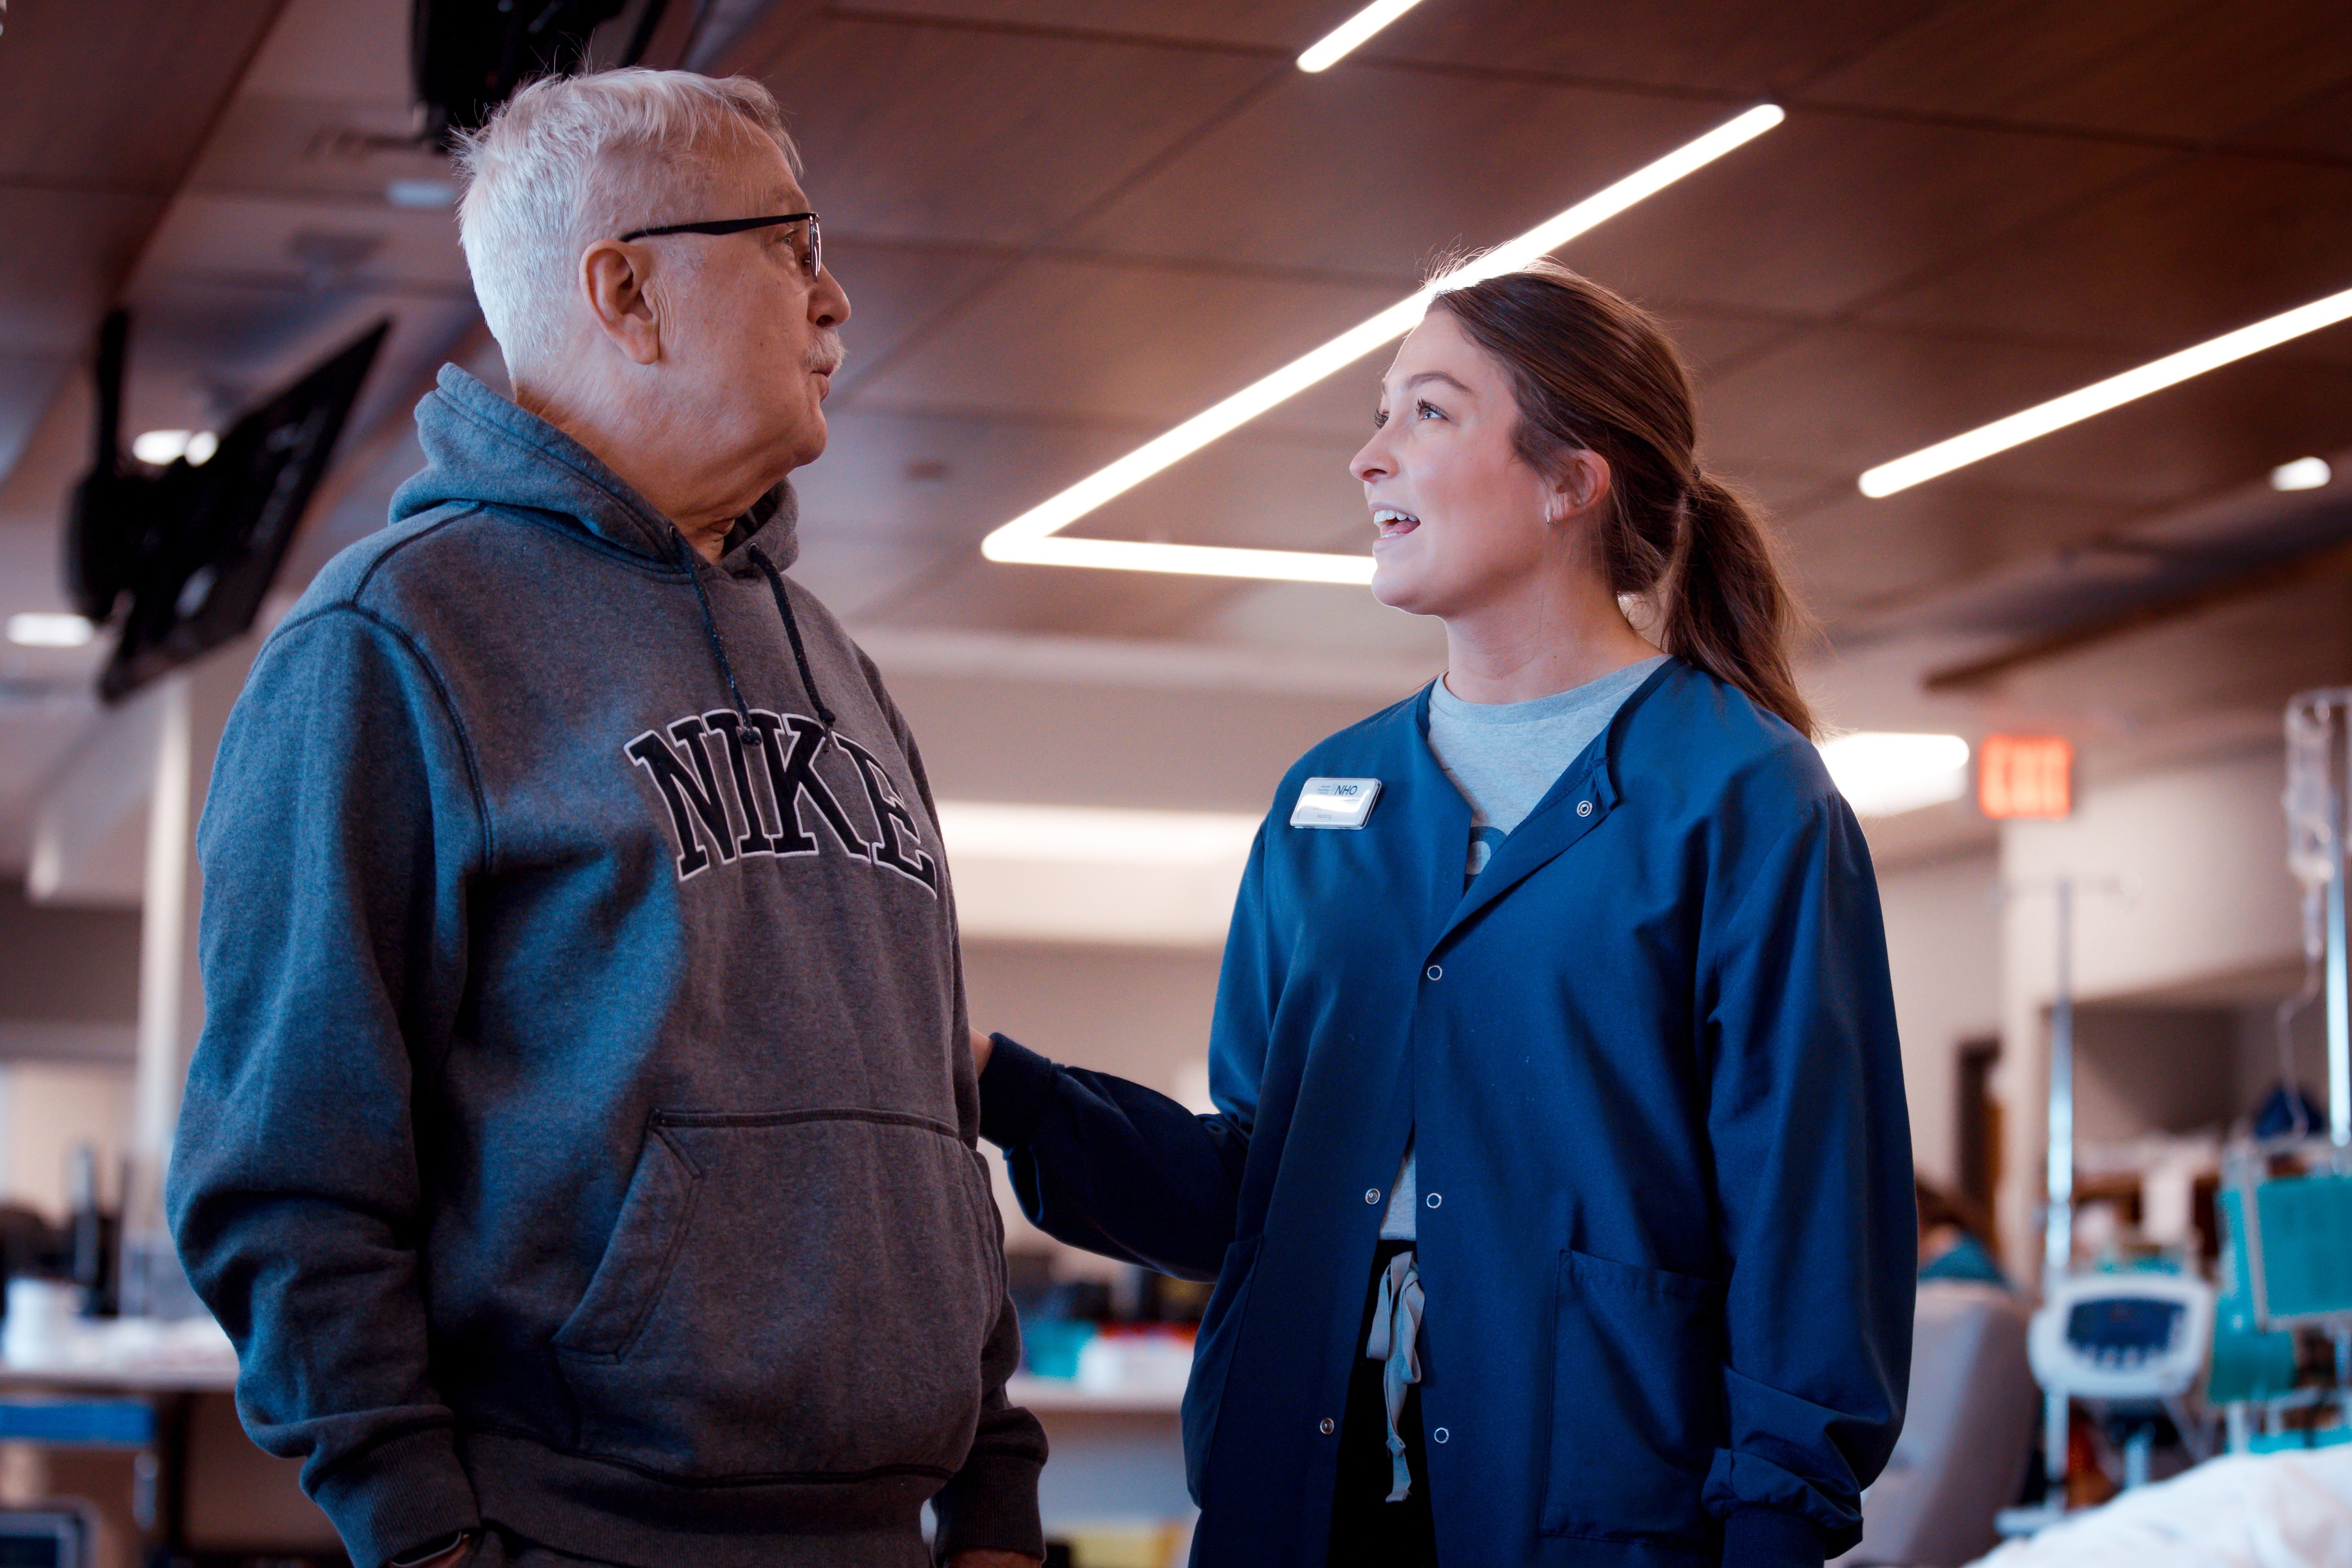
<point>1335,803</point>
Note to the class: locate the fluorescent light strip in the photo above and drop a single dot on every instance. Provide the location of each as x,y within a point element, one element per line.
<point>1886,774</point>
<point>1195,559</point>
<point>1097,836</point>
<point>42,628</point>
<point>2099,397</point>
<point>1327,51</point>
<point>1029,538</point>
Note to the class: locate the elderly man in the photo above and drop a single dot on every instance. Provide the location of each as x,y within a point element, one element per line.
<point>580,1146</point>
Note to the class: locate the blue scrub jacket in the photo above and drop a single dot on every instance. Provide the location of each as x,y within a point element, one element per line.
<point>1667,1234</point>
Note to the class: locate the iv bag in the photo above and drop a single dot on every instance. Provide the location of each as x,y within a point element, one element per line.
<point>2315,737</point>
<point>2310,798</point>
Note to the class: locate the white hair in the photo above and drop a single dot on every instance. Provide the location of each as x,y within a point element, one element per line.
<point>560,164</point>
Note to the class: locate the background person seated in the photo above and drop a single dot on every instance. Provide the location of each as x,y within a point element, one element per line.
<point>1951,1239</point>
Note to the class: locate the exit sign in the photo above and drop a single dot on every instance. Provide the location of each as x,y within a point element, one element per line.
<point>2025,776</point>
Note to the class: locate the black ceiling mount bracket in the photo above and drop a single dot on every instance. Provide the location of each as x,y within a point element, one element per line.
<point>470,55</point>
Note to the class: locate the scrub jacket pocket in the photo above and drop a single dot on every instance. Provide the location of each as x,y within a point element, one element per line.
<point>1213,1357</point>
<point>1637,1402</point>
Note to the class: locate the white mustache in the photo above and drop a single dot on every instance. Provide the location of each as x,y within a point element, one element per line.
<point>826,352</point>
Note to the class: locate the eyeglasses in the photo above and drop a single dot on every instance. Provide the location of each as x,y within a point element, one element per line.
<point>808,245</point>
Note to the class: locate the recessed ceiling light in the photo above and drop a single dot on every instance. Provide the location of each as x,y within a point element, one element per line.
<point>424,194</point>
<point>1882,773</point>
<point>1326,50</point>
<point>40,628</point>
<point>2303,474</point>
<point>2101,395</point>
<point>1030,537</point>
<point>161,447</point>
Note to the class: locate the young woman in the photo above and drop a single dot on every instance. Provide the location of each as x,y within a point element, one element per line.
<point>1559,1195</point>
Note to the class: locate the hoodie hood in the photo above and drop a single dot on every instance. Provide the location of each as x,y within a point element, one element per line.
<point>483,450</point>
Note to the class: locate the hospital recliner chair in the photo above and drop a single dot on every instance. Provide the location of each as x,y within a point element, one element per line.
<point>1969,1424</point>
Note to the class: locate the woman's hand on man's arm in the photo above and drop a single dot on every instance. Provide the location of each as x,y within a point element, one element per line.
<point>981,1047</point>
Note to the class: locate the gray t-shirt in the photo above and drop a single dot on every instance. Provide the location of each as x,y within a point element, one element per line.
<point>1505,757</point>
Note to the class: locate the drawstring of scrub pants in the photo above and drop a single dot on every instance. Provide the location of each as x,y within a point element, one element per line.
<point>1395,1341</point>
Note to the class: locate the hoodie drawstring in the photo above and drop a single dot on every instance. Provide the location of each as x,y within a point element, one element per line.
<point>692,567</point>
<point>693,570</point>
<point>793,631</point>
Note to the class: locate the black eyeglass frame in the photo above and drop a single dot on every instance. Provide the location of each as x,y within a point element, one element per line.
<point>738,225</point>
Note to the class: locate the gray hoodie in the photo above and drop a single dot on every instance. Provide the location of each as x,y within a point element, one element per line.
<point>581,1137</point>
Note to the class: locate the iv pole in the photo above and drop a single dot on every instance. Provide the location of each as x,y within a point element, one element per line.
<point>2340,1016</point>
<point>2058,1217</point>
<point>2058,1214</point>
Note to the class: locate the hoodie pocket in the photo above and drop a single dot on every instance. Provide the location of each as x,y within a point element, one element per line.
<point>802,1295</point>
<point>1637,1402</point>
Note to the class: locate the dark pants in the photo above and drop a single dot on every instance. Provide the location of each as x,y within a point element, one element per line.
<point>499,1549</point>
<point>1367,1530</point>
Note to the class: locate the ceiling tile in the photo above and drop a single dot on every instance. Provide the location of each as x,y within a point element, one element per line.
<point>304,245</point>
<point>911,130</point>
<point>2248,654</point>
<point>1866,397</point>
<point>1387,172</point>
<point>1841,398</point>
<point>2321,125</point>
<point>1708,336</point>
<point>1113,343</point>
<point>326,148</point>
<point>103,106</point>
<point>2205,245</point>
<point>27,383</point>
<point>354,51</point>
<point>2155,67</point>
<point>1727,46</point>
<point>1827,211</point>
<point>929,482</point>
<point>1265,23</point>
<point>1257,494</point>
<point>1858,557</point>
<point>118,92</point>
<point>896,290</point>
<point>66,252</point>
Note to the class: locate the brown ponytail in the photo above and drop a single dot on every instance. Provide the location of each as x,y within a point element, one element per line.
<point>1594,373</point>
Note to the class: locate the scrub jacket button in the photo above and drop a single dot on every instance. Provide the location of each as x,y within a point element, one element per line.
<point>1584,808</point>
<point>1437,1200</point>
<point>1326,1427</point>
<point>1439,1436</point>
<point>1436,972</point>
<point>1372,1195</point>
